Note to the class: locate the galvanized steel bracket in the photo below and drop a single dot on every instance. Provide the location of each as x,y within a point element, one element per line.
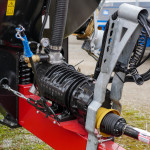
<point>121,39</point>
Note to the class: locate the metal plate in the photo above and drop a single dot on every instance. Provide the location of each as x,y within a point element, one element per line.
<point>68,135</point>
<point>9,69</point>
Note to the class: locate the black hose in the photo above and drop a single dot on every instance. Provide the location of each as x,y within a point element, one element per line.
<point>143,21</point>
<point>58,27</point>
<point>115,16</point>
<point>45,19</point>
<point>36,77</point>
<point>100,59</point>
<point>143,61</point>
<point>138,53</point>
<point>137,57</point>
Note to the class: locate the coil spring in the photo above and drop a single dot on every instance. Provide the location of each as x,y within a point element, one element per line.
<point>25,74</point>
<point>140,49</point>
<point>137,57</point>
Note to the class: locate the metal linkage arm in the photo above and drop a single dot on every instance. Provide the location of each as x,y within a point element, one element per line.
<point>122,36</point>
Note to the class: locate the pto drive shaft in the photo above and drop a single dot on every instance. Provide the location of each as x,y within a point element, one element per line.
<point>111,124</point>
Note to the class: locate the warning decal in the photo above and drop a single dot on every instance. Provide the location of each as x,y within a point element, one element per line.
<point>10,7</point>
<point>144,138</point>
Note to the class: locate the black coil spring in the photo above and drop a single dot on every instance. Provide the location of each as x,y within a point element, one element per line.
<point>25,73</point>
<point>137,57</point>
<point>139,50</point>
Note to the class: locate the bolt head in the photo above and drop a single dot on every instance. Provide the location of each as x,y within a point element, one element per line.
<point>54,122</point>
<point>89,140</point>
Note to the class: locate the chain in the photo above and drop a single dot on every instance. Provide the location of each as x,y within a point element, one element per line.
<point>7,87</point>
<point>39,104</point>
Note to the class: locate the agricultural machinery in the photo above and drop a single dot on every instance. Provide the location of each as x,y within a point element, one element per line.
<point>41,92</point>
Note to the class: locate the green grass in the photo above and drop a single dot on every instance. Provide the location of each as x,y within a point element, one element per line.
<point>136,118</point>
<point>21,139</point>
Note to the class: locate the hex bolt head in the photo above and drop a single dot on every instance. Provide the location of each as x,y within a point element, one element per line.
<point>54,122</point>
<point>89,140</point>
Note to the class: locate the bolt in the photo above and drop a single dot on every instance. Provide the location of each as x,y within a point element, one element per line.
<point>89,140</point>
<point>54,122</point>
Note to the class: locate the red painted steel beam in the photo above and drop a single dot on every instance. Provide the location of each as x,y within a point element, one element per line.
<point>68,135</point>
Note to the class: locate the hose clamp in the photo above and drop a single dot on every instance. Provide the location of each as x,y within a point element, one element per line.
<point>56,47</point>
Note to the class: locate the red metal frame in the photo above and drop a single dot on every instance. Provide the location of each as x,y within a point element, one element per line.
<point>68,135</point>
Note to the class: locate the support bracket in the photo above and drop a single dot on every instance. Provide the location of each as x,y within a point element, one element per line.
<point>120,32</point>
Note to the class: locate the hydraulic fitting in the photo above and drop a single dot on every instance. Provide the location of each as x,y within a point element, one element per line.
<point>36,58</point>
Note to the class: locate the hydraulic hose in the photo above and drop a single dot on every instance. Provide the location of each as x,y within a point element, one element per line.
<point>45,18</point>
<point>137,57</point>
<point>59,24</point>
<point>99,62</point>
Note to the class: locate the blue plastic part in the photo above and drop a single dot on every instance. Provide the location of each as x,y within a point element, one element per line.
<point>27,50</point>
<point>148,42</point>
<point>102,24</point>
<point>18,29</point>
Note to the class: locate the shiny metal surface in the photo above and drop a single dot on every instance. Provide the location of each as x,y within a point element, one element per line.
<point>79,12</point>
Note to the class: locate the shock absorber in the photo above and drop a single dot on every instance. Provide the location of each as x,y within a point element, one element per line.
<point>24,73</point>
<point>137,57</point>
<point>140,47</point>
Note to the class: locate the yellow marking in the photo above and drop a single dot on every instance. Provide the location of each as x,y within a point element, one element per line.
<point>10,7</point>
<point>101,113</point>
